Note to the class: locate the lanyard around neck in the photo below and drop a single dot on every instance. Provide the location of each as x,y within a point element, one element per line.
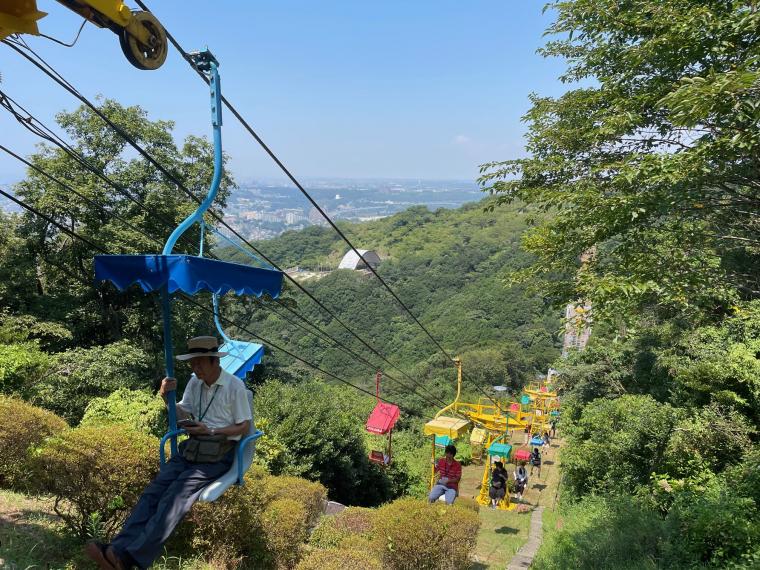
<point>200,398</point>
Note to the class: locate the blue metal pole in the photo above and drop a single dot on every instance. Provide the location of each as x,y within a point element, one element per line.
<point>171,397</point>
<point>216,121</point>
<point>219,328</point>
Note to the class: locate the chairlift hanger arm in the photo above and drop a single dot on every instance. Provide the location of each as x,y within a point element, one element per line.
<point>142,37</point>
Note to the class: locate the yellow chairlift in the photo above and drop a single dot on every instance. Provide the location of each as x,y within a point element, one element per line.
<point>478,438</point>
<point>445,429</point>
<point>141,36</point>
<point>498,450</point>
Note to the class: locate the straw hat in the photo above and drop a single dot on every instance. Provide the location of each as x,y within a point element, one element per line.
<point>202,346</point>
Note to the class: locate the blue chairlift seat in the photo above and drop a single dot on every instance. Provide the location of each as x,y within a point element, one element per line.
<point>169,273</point>
<point>244,453</point>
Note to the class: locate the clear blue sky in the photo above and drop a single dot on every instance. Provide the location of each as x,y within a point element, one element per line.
<point>395,88</point>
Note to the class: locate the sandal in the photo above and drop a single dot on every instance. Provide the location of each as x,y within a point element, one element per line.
<point>112,559</point>
<point>96,551</point>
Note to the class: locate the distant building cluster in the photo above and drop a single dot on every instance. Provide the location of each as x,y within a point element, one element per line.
<point>288,216</point>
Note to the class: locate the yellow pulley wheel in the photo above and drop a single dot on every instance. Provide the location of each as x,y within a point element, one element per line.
<point>150,55</point>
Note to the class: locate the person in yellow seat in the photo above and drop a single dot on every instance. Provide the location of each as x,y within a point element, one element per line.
<point>449,472</point>
<point>215,413</point>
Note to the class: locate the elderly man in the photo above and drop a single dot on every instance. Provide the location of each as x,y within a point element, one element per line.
<point>214,411</point>
<point>449,472</point>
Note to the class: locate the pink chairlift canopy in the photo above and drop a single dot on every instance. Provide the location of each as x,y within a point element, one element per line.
<point>383,418</point>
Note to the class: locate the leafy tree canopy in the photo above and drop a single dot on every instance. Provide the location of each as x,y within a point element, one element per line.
<point>650,163</point>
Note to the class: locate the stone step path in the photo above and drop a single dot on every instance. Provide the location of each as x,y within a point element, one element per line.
<point>524,556</point>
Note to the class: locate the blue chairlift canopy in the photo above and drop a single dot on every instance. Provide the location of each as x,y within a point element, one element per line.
<point>242,357</point>
<point>442,440</point>
<point>503,450</point>
<point>186,273</point>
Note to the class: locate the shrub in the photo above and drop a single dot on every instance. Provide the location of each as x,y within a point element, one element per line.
<point>601,534</point>
<point>96,475</point>
<point>713,438</point>
<point>231,525</point>
<point>140,409</point>
<point>22,365</point>
<point>264,522</point>
<point>320,427</point>
<point>712,525</point>
<point>410,533</point>
<point>285,525</point>
<point>344,528</point>
<point>22,426</point>
<point>80,375</point>
<point>311,495</point>
<point>340,559</point>
<point>616,445</point>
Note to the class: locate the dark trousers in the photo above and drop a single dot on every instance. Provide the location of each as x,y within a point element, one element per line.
<point>163,504</point>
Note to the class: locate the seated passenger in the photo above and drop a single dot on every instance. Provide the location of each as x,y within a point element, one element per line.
<point>449,472</point>
<point>498,489</point>
<point>217,404</point>
<point>521,480</point>
<point>535,461</point>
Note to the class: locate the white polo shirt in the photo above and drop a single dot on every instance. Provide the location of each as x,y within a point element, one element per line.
<point>227,397</point>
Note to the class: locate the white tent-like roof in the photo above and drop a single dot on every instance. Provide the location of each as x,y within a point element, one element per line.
<point>353,261</point>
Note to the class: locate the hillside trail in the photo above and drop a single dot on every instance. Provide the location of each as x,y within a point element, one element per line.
<point>510,539</point>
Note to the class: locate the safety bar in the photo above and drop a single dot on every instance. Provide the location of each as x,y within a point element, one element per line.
<point>171,434</point>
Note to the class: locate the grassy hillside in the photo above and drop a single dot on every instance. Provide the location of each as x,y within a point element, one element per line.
<point>448,266</point>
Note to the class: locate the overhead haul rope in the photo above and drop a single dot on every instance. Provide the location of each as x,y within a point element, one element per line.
<point>50,72</point>
<point>313,202</point>
<point>58,78</point>
<point>103,250</point>
<point>40,129</point>
<point>127,223</point>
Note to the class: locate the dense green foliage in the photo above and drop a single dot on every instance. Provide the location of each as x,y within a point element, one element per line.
<point>96,475</point>
<point>448,268</point>
<point>320,429</point>
<point>646,171</point>
<point>650,161</point>
<point>22,428</point>
<point>140,409</point>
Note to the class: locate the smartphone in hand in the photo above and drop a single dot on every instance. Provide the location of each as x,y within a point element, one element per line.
<point>186,423</point>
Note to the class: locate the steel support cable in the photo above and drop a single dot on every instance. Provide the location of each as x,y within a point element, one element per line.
<point>332,339</point>
<point>346,349</point>
<point>58,78</point>
<point>311,200</point>
<point>44,132</point>
<point>65,186</point>
<point>75,235</point>
<point>41,130</point>
<point>50,220</point>
<point>37,127</point>
<point>277,347</point>
<point>300,187</point>
<point>113,215</point>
